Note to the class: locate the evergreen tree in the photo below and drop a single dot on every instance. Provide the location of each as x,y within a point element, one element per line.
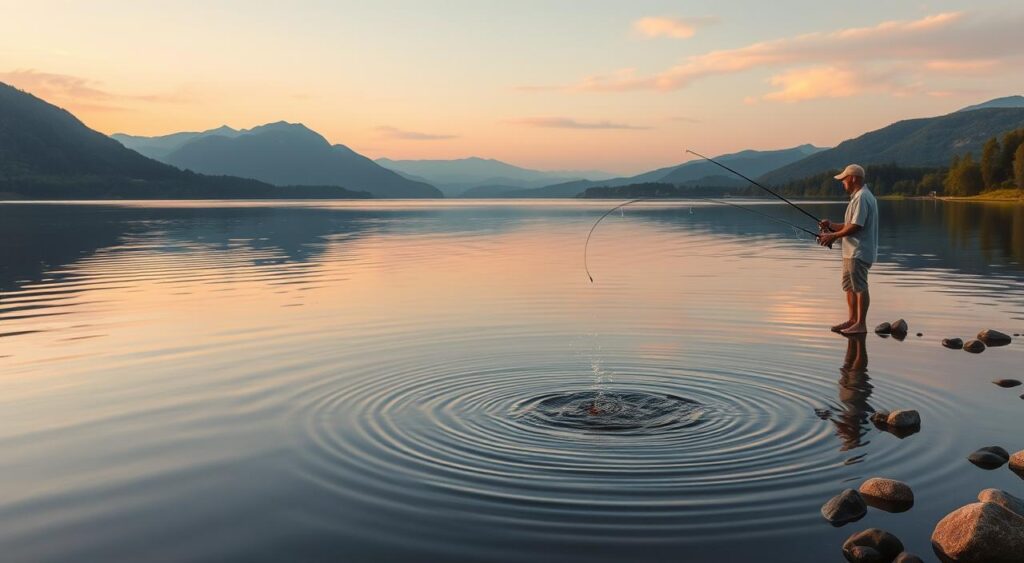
<point>1018,167</point>
<point>1010,142</point>
<point>991,174</point>
<point>967,179</point>
<point>949,183</point>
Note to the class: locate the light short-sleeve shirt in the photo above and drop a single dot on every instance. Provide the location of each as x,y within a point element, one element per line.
<point>863,211</point>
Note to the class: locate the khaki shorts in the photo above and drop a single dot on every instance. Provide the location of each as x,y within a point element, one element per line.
<point>855,275</point>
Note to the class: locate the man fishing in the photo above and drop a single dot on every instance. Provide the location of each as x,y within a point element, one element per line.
<point>859,233</point>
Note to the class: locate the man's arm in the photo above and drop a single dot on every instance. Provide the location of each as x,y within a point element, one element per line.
<point>829,226</point>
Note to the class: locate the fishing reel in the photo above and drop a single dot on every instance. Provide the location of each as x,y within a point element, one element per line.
<point>823,230</point>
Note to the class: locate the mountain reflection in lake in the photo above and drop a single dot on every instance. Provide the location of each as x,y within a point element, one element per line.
<point>389,381</point>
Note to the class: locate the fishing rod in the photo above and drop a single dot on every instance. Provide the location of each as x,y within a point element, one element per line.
<point>586,245</point>
<point>762,214</point>
<point>795,206</point>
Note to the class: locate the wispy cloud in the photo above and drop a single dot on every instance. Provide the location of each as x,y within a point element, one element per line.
<point>396,133</point>
<point>79,92</point>
<point>676,28</point>
<point>569,123</point>
<point>939,44</point>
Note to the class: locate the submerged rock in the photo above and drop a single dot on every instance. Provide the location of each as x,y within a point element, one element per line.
<point>907,558</point>
<point>974,346</point>
<point>994,337</point>
<point>904,419</point>
<point>982,532</point>
<point>888,545</point>
<point>887,494</point>
<point>953,343</point>
<point>884,328</point>
<point>991,457</point>
<point>1003,499</point>
<point>1007,382</point>
<point>847,506</point>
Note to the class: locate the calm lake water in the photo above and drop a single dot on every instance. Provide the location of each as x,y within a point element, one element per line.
<point>414,381</point>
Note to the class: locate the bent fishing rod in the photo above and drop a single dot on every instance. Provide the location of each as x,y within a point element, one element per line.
<point>795,206</point>
<point>586,245</point>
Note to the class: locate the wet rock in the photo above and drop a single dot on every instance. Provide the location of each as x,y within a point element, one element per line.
<point>907,558</point>
<point>864,554</point>
<point>994,337</point>
<point>974,346</point>
<point>880,418</point>
<point>1017,463</point>
<point>904,419</point>
<point>847,506</point>
<point>953,343</point>
<point>982,532</point>
<point>1003,499</point>
<point>887,494</point>
<point>920,334</point>
<point>884,328</point>
<point>899,327</point>
<point>989,458</point>
<point>888,545</point>
<point>1007,382</point>
<point>1001,452</point>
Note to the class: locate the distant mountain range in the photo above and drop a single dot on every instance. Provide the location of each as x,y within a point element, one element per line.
<point>1004,102</point>
<point>482,175</point>
<point>281,154</point>
<point>46,153</point>
<point>694,173</point>
<point>930,141</point>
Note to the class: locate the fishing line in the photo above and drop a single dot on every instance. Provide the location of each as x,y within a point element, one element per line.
<point>586,245</point>
<point>795,206</point>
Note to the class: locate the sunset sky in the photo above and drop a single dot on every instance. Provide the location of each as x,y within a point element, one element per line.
<point>617,86</point>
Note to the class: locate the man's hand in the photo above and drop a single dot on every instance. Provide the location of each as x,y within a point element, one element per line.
<point>825,225</point>
<point>826,239</point>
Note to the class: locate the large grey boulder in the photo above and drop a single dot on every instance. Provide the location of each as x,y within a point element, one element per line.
<point>994,337</point>
<point>883,542</point>
<point>847,506</point>
<point>982,532</point>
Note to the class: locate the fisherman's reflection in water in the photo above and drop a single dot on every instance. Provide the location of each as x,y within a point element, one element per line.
<point>851,415</point>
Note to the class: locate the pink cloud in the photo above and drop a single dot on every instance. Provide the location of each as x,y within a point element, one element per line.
<point>952,41</point>
<point>569,123</point>
<point>676,28</point>
<point>82,93</point>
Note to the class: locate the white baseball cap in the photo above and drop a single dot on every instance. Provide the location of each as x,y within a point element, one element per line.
<point>851,170</point>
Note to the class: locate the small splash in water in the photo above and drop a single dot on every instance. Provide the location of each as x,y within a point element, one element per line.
<point>613,410</point>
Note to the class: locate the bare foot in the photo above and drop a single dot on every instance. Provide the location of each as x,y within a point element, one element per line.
<point>855,328</point>
<point>841,326</point>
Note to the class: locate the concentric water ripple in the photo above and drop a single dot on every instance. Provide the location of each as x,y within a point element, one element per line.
<point>665,453</point>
